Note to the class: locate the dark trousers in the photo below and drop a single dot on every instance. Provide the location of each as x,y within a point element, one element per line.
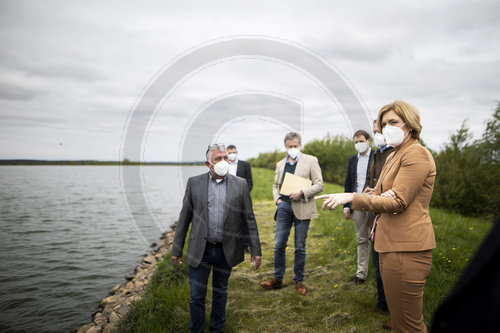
<point>213,259</point>
<point>284,221</point>
<point>381,302</point>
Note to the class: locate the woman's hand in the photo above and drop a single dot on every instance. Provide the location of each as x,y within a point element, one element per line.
<point>333,200</point>
<point>368,190</point>
<point>389,194</point>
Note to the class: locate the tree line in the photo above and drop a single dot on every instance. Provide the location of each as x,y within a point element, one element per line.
<point>468,171</point>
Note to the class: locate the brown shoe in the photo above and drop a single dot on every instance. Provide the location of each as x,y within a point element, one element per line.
<point>271,284</point>
<point>300,288</point>
<point>387,326</point>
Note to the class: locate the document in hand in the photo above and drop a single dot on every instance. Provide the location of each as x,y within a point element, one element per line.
<point>293,183</point>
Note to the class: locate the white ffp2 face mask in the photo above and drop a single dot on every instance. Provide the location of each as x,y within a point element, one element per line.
<point>379,139</point>
<point>221,168</point>
<point>361,147</point>
<point>394,135</point>
<point>232,157</point>
<point>293,152</point>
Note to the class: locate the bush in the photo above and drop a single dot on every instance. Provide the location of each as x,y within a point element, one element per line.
<point>468,172</point>
<point>267,160</point>
<point>332,152</point>
<point>333,155</point>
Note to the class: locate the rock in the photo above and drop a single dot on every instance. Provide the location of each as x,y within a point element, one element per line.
<point>122,309</point>
<point>139,284</point>
<point>109,329</point>
<point>112,308</point>
<point>100,320</point>
<point>149,260</point>
<point>96,311</point>
<point>85,328</point>
<point>95,329</point>
<point>108,300</point>
<point>114,318</point>
<point>113,290</point>
<point>107,311</point>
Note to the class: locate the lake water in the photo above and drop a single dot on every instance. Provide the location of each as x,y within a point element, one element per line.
<point>67,236</point>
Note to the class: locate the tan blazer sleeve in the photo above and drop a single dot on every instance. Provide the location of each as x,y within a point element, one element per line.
<point>415,167</point>
<point>278,173</point>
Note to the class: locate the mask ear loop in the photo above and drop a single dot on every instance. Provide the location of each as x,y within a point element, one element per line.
<point>409,131</point>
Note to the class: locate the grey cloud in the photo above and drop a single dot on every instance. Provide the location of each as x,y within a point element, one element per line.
<point>14,92</point>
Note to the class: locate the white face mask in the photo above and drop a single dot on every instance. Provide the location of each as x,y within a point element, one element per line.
<point>379,139</point>
<point>221,168</point>
<point>293,152</point>
<point>361,147</point>
<point>394,135</point>
<point>232,157</point>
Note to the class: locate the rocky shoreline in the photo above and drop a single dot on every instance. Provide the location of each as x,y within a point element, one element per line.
<point>113,307</point>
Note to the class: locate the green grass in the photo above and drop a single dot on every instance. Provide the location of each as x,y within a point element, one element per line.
<point>330,304</point>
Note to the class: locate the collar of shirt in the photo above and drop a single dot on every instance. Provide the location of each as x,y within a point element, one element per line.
<point>365,155</point>
<point>217,180</point>
<point>296,159</point>
<point>382,148</point>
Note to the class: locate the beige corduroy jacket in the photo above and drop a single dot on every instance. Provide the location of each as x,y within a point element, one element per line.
<point>307,167</point>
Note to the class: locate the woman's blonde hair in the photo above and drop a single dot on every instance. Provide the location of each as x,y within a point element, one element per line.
<point>405,111</point>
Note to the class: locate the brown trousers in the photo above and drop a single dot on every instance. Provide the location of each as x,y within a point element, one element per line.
<point>404,274</point>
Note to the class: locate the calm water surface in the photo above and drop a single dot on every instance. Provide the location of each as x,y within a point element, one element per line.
<point>67,238</point>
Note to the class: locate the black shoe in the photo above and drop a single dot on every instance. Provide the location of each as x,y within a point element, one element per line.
<point>356,281</point>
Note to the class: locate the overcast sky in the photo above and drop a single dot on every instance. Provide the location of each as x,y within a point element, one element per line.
<point>72,72</point>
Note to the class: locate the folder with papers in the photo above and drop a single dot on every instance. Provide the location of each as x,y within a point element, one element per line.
<point>293,183</point>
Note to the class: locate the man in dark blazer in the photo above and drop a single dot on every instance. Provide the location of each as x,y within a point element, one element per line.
<point>216,204</point>
<point>354,183</point>
<point>238,167</point>
<point>241,169</point>
<point>377,161</point>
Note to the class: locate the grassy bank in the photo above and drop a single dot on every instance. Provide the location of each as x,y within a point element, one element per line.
<point>330,304</point>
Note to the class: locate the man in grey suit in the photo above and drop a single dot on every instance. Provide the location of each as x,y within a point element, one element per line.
<point>216,204</point>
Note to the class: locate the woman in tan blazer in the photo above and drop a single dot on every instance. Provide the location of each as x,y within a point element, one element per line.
<point>404,235</point>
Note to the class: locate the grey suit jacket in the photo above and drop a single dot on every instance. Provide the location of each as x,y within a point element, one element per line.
<point>238,210</point>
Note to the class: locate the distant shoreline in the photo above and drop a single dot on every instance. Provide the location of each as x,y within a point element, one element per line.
<point>90,162</point>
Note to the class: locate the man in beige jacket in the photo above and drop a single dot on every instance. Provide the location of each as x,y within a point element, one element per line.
<point>295,209</point>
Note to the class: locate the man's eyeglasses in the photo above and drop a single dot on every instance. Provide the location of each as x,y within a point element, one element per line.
<point>216,146</point>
